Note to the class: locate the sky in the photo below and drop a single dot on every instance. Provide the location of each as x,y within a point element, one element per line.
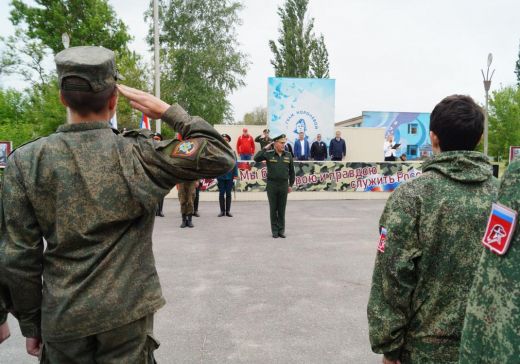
<point>399,55</point>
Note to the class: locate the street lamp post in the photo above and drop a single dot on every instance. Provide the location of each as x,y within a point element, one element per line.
<point>156,58</point>
<point>65,39</point>
<point>487,85</point>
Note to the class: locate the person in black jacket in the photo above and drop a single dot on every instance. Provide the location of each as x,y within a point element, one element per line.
<point>319,149</point>
<point>337,148</point>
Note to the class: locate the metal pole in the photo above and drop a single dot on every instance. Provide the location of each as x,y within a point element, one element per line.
<point>156,58</point>
<point>486,121</point>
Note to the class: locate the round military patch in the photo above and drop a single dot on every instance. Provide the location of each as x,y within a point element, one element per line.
<point>184,149</point>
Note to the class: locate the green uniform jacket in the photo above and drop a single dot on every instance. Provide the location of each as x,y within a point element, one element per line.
<point>92,195</point>
<point>420,284</point>
<point>491,331</point>
<point>279,168</point>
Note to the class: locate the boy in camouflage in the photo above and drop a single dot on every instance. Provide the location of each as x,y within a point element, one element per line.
<point>92,194</point>
<point>491,331</point>
<point>429,243</point>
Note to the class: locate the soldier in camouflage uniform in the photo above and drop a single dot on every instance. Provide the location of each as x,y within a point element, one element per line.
<point>91,294</point>
<point>280,178</point>
<point>186,200</point>
<point>429,243</point>
<point>491,331</point>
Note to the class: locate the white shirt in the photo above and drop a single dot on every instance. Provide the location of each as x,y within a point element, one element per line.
<point>387,147</point>
<point>302,144</point>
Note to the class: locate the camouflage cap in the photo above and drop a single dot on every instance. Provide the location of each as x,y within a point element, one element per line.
<point>96,65</point>
<point>280,138</point>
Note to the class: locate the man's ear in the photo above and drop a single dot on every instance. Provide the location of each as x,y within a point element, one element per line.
<point>62,99</point>
<point>112,102</point>
<point>435,142</point>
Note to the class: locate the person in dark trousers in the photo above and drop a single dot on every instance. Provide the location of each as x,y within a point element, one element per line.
<point>196,201</point>
<point>319,149</point>
<point>280,178</point>
<point>264,139</point>
<point>337,148</point>
<point>225,186</point>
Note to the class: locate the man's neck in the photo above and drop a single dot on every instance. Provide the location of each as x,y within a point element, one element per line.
<point>75,118</point>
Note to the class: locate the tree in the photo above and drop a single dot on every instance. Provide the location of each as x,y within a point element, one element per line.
<point>504,121</point>
<point>38,35</point>
<point>298,52</point>
<point>517,70</point>
<point>200,61</point>
<point>256,117</point>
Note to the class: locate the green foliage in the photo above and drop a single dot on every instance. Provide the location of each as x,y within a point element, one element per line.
<point>298,52</point>
<point>88,22</point>
<point>517,70</point>
<point>200,61</point>
<point>256,117</point>
<point>504,121</point>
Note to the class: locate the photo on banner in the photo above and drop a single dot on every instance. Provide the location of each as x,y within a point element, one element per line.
<point>305,105</point>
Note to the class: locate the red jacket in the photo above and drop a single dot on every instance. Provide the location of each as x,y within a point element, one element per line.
<point>245,145</point>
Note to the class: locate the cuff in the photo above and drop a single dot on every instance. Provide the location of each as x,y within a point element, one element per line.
<point>30,330</point>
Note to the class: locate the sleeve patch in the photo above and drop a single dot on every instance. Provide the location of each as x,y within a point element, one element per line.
<point>382,240</point>
<point>186,149</point>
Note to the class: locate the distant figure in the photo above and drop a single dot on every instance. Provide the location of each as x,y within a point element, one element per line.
<point>264,139</point>
<point>225,186</point>
<point>186,200</point>
<point>337,148</point>
<point>389,148</point>
<point>245,146</point>
<point>301,148</point>
<point>288,148</point>
<point>403,158</point>
<point>319,149</point>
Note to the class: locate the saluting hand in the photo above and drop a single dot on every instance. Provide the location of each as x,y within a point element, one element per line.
<point>150,105</point>
<point>269,146</point>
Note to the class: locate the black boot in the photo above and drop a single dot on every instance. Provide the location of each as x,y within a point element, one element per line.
<point>222,208</point>
<point>196,214</point>
<point>188,221</point>
<point>228,206</point>
<point>183,225</point>
<point>159,211</point>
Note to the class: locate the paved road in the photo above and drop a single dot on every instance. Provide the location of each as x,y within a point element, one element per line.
<point>236,295</point>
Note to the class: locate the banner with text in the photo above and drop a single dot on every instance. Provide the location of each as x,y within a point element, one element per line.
<point>328,176</point>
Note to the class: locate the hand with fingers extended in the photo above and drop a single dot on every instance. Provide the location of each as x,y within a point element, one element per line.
<point>151,106</point>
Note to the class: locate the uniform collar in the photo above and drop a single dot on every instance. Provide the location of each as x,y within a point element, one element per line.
<point>91,125</point>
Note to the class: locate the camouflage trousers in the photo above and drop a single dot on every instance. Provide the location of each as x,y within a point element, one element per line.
<point>187,197</point>
<point>132,343</point>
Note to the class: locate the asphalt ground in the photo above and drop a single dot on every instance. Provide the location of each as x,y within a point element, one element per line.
<point>236,295</point>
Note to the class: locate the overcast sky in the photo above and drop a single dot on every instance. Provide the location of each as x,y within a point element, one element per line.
<point>399,55</point>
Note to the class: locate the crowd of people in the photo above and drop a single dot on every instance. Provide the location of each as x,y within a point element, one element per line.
<point>300,150</point>
<point>89,293</point>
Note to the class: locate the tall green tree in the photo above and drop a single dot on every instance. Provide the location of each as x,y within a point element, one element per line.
<point>201,64</point>
<point>298,53</point>
<point>256,117</point>
<point>517,69</point>
<point>40,25</point>
<point>504,121</point>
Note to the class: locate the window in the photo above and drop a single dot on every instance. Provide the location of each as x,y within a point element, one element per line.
<point>411,150</point>
<point>412,128</point>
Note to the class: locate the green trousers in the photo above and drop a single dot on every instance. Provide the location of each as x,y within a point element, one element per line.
<point>130,344</point>
<point>187,197</point>
<point>277,196</point>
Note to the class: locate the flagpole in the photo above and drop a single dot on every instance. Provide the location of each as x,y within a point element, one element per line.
<point>156,58</point>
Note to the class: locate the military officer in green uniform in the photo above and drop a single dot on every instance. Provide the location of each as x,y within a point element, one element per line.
<point>429,244</point>
<point>280,178</point>
<point>91,193</point>
<point>491,331</point>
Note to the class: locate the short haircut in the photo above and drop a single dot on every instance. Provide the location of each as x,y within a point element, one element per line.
<point>458,122</point>
<point>79,96</point>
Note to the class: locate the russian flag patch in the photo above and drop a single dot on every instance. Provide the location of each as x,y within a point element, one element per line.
<point>382,240</point>
<point>500,228</point>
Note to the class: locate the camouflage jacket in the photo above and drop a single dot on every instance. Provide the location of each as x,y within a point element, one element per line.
<point>428,252</point>
<point>280,168</point>
<point>91,194</point>
<point>491,331</point>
